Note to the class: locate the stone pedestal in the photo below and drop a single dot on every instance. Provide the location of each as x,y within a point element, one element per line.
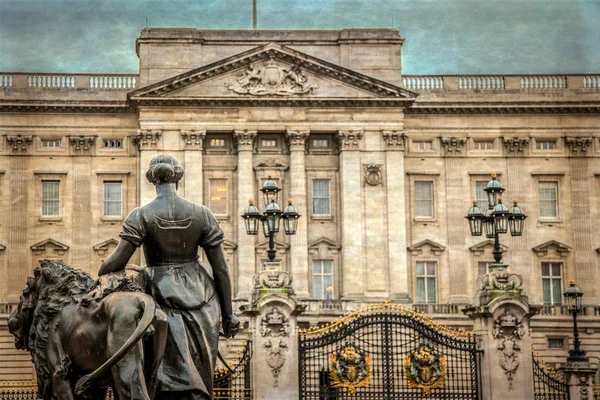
<point>502,314</point>
<point>579,379</point>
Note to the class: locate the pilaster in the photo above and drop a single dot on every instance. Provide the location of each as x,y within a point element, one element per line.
<point>395,144</point>
<point>19,263</point>
<point>148,143</point>
<point>245,191</point>
<point>299,242</point>
<point>193,144</point>
<point>351,216</point>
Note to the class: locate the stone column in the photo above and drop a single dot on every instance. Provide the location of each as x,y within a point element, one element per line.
<point>579,379</point>
<point>192,161</point>
<point>17,251</point>
<point>299,242</point>
<point>395,142</point>
<point>351,216</point>
<point>245,191</point>
<point>501,313</point>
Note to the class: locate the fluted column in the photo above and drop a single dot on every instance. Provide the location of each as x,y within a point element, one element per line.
<point>299,242</point>
<point>245,191</point>
<point>192,161</point>
<point>351,217</point>
<point>395,142</point>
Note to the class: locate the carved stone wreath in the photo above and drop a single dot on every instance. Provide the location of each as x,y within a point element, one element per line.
<point>373,174</point>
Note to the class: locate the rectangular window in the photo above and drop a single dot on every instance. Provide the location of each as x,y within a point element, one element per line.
<point>50,198</point>
<point>51,143</point>
<point>218,196</point>
<point>426,285</point>
<point>545,144</point>
<point>320,143</point>
<point>113,198</point>
<point>483,145</point>
<point>216,143</point>
<point>321,197</point>
<point>548,199</point>
<point>483,267</point>
<point>552,283</point>
<point>424,199</point>
<point>422,146</point>
<point>113,144</point>
<point>481,195</point>
<point>268,143</point>
<point>322,279</point>
<point>556,343</point>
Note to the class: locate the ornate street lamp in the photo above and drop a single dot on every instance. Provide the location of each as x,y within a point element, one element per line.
<point>497,219</point>
<point>271,217</point>
<point>573,296</point>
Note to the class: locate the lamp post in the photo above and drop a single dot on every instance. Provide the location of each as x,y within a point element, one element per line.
<point>271,217</point>
<point>497,219</point>
<point>573,296</point>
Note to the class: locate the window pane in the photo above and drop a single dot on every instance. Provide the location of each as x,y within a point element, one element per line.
<point>112,198</point>
<point>546,269</point>
<point>327,267</point>
<point>431,268</point>
<point>481,195</point>
<point>548,192</point>
<point>420,268</point>
<point>218,196</point>
<point>423,199</point>
<point>554,343</point>
<point>556,291</point>
<point>317,267</point>
<point>320,143</point>
<point>321,196</point>
<point>482,268</point>
<point>420,290</point>
<point>50,198</point>
<point>431,290</point>
<point>318,291</point>
<point>328,286</point>
<point>555,269</point>
<point>546,291</point>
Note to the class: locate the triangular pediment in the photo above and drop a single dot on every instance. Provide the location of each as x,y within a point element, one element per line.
<point>417,248</point>
<point>2,248</point>
<point>279,245</point>
<point>560,248</point>
<point>227,245</point>
<point>479,248</point>
<point>44,247</point>
<point>102,248</point>
<point>324,241</point>
<point>273,73</point>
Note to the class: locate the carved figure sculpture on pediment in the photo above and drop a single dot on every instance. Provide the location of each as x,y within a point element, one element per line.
<point>508,331</point>
<point>272,79</point>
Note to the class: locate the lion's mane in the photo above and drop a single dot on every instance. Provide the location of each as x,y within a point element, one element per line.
<point>63,286</point>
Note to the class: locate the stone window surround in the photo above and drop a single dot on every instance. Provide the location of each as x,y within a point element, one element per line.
<point>112,176</point>
<point>330,149</point>
<point>60,176</point>
<point>560,145</point>
<point>436,276</point>
<point>321,173</point>
<point>563,275</point>
<point>63,148</point>
<point>435,145</point>
<point>423,176</point>
<point>328,250</point>
<point>429,251</point>
<point>279,148</point>
<point>565,339</point>
<point>227,136</point>
<point>496,145</point>
<point>227,196</point>
<point>335,291</point>
<point>557,177</point>
<point>224,173</point>
<point>113,150</point>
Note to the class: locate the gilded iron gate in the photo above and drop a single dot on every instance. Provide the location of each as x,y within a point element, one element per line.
<point>237,383</point>
<point>387,352</point>
<point>548,384</point>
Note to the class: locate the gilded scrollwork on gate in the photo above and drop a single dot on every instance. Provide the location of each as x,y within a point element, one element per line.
<point>350,368</point>
<point>425,369</point>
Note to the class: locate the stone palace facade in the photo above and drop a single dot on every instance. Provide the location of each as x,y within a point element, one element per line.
<point>382,167</point>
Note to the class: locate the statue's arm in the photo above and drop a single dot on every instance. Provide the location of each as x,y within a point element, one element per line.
<point>216,258</point>
<point>119,258</point>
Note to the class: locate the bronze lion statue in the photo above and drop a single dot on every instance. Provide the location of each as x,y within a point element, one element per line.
<point>86,335</point>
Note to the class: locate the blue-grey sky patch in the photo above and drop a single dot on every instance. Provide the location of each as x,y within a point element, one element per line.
<point>442,36</point>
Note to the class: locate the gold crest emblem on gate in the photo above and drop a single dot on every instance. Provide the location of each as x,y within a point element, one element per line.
<point>425,369</point>
<point>350,368</point>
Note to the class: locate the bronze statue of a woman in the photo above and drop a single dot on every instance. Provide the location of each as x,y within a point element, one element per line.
<point>170,229</point>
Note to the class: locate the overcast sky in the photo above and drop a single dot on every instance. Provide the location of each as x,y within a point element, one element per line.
<point>442,36</point>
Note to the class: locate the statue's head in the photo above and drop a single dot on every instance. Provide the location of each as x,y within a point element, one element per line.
<point>164,169</point>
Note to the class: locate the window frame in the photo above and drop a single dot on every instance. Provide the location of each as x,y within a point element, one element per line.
<point>227,147</point>
<point>209,196</point>
<point>320,150</point>
<point>322,275</point>
<point>426,277</point>
<point>112,216</point>
<point>312,186</point>
<point>111,176</point>
<point>42,176</point>
<point>431,217</point>
<point>551,278</point>
<point>556,217</point>
<point>477,142</point>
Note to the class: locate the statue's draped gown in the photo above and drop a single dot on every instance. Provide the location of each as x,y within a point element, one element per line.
<point>184,290</point>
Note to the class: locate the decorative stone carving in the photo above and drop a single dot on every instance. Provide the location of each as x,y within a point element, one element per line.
<point>193,139</point>
<point>275,326</point>
<point>146,139</point>
<point>515,144</point>
<point>584,391</point>
<point>272,79</point>
<point>244,139</point>
<point>297,139</point>
<point>19,142</point>
<point>562,249</point>
<point>82,142</point>
<point>425,369</point>
<point>417,248</point>
<point>453,145</point>
<point>578,144</point>
<point>273,279</point>
<point>58,247</point>
<point>349,139</point>
<point>350,368</point>
<point>271,163</point>
<point>479,249</point>
<point>394,140</point>
<point>499,279</point>
<point>373,174</point>
<point>508,331</point>
<point>102,248</point>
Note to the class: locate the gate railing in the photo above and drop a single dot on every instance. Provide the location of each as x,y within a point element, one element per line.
<point>548,384</point>
<point>237,383</point>
<point>387,352</point>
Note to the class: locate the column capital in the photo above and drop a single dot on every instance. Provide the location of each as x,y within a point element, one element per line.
<point>193,139</point>
<point>394,140</point>
<point>82,142</point>
<point>19,143</point>
<point>578,144</point>
<point>297,138</point>
<point>147,139</point>
<point>349,138</point>
<point>516,145</point>
<point>244,138</point>
<point>453,145</point>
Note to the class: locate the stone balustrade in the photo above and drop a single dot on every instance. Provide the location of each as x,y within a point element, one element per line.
<point>69,81</point>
